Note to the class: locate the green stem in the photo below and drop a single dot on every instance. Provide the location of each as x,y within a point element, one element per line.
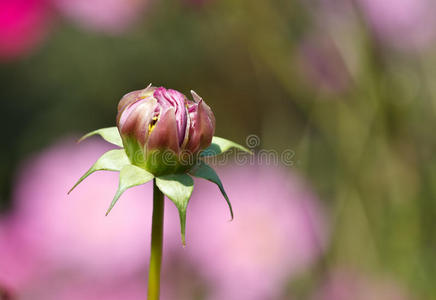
<point>156,244</point>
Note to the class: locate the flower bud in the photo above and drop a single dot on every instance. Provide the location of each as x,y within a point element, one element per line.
<point>162,131</point>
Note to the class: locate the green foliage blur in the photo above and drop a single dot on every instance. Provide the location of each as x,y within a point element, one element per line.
<point>361,124</point>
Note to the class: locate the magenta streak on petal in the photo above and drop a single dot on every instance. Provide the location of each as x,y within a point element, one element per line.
<point>171,98</point>
<point>192,111</point>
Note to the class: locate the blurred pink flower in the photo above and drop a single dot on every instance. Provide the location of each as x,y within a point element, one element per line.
<point>75,289</point>
<point>23,24</point>
<point>278,231</point>
<point>345,285</point>
<point>18,263</point>
<point>72,231</point>
<point>55,246</point>
<point>72,285</point>
<point>109,16</point>
<point>406,24</point>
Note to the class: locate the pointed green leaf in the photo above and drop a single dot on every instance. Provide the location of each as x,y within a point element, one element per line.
<point>130,176</point>
<point>178,188</point>
<point>203,170</point>
<point>112,160</point>
<point>220,145</point>
<point>109,134</point>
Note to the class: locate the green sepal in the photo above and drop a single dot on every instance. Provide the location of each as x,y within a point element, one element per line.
<point>220,145</point>
<point>113,160</point>
<point>203,170</point>
<point>130,176</point>
<point>178,188</point>
<point>109,134</point>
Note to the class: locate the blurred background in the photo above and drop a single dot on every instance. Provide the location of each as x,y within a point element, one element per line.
<point>344,86</point>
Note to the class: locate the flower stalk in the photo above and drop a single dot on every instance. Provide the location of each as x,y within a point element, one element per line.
<point>156,244</point>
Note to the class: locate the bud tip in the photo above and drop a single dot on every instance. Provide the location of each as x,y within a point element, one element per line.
<point>196,97</point>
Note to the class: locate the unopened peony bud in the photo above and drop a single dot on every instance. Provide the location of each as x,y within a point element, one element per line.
<point>162,131</point>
